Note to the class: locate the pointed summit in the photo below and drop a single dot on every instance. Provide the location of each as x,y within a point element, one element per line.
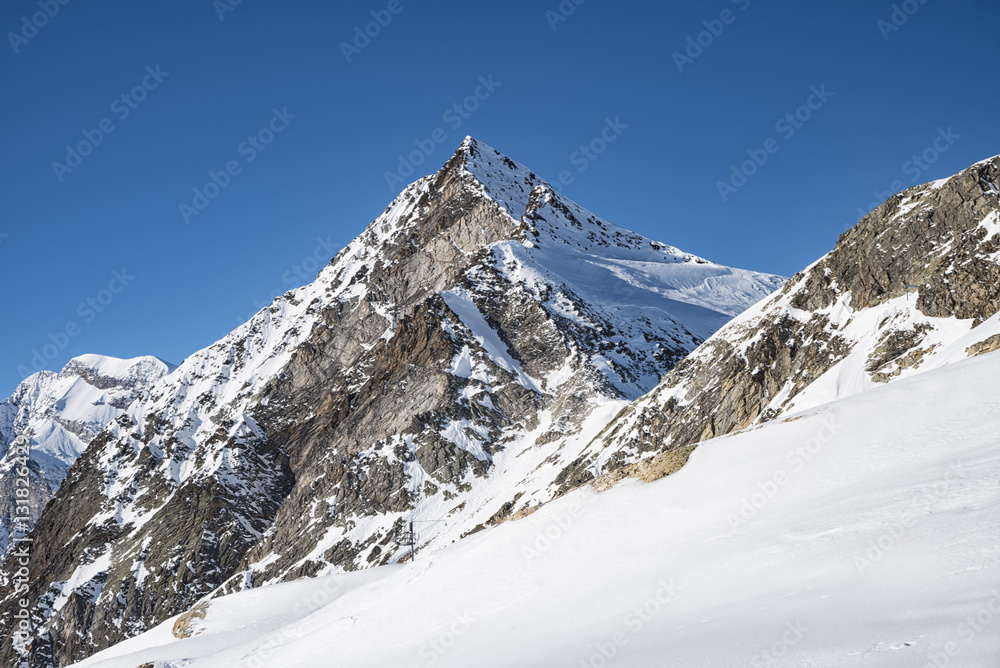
<point>504,180</point>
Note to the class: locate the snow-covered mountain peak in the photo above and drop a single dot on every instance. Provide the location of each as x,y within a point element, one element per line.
<point>64,410</point>
<point>449,362</point>
<point>62,413</point>
<point>587,250</point>
<point>528,198</point>
<point>504,180</point>
<point>83,384</point>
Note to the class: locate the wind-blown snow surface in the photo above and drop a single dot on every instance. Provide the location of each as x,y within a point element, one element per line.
<point>605,264</point>
<point>859,533</point>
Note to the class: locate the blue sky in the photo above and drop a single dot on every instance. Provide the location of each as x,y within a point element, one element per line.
<point>98,256</point>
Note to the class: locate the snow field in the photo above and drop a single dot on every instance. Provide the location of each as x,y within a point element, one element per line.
<point>872,542</point>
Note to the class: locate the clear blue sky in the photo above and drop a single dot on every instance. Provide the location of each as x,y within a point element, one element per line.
<point>323,176</point>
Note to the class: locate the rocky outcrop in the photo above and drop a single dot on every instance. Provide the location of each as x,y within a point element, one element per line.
<point>915,278</point>
<point>985,346</point>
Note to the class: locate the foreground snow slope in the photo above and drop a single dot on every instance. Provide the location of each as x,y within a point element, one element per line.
<point>858,533</point>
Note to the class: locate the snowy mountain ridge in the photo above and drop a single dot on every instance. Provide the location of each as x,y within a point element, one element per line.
<point>914,286</point>
<point>485,347</point>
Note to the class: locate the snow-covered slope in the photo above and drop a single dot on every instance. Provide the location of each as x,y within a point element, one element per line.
<point>859,533</point>
<point>62,412</point>
<point>448,363</point>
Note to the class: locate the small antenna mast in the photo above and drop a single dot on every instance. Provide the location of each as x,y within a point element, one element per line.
<point>409,537</point>
<point>405,538</point>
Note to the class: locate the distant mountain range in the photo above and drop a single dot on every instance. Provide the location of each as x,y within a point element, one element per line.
<point>62,413</point>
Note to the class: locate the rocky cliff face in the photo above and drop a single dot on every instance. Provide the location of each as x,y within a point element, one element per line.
<point>916,284</point>
<point>61,413</point>
<point>445,366</point>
